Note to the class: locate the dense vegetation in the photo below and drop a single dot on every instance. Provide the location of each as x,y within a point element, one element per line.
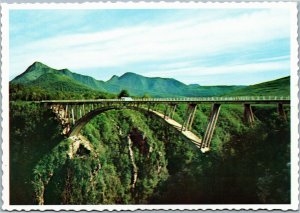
<point>19,92</point>
<point>245,165</point>
<point>33,132</point>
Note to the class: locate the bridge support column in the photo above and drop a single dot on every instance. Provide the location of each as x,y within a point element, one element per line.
<point>192,118</point>
<point>248,114</point>
<point>73,118</point>
<point>83,110</point>
<point>188,120</point>
<point>172,112</point>
<point>205,145</point>
<point>68,114</point>
<point>80,113</point>
<point>167,111</point>
<point>148,107</point>
<point>281,111</point>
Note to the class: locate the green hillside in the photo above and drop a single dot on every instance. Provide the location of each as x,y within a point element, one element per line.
<point>278,87</point>
<point>32,73</point>
<point>38,70</point>
<point>86,80</point>
<point>139,85</point>
<point>60,82</point>
<point>53,85</point>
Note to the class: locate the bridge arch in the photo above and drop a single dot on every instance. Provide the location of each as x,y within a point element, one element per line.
<point>75,130</point>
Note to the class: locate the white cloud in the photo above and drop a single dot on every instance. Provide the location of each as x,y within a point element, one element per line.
<point>169,41</point>
<point>198,71</point>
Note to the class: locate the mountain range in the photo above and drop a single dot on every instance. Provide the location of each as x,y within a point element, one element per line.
<point>41,75</point>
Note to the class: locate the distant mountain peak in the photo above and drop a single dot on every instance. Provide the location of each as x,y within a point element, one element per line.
<point>130,74</point>
<point>114,77</point>
<point>38,64</point>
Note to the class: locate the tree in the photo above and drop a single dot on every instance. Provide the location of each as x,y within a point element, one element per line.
<point>146,95</point>
<point>123,93</point>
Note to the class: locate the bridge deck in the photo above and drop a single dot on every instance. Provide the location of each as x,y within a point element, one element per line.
<point>188,134</point>
<point>225,100</point>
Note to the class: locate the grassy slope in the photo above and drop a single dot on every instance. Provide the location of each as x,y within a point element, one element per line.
<point>32,73</point>
<point>86,80</point>
<point>56,81</point>
<point>278,87</point>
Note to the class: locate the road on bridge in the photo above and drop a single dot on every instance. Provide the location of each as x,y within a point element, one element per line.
<point>190,135</point>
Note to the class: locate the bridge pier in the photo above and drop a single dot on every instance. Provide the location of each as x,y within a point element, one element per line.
<point>73,119</point>
<point>248,114</point>
<point>192,117</point>
<point>189,117</point>
<point>172,110</point>
<point>205,145</point>
<point>80,113</point>
<point>281,111</point>
<point>166,111</point>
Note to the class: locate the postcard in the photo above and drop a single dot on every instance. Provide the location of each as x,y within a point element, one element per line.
<point>135,105</point>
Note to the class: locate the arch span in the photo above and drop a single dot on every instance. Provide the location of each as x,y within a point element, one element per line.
<point>75,130</point>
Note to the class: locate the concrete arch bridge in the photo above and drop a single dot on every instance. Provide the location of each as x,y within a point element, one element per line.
<point>74,114</point>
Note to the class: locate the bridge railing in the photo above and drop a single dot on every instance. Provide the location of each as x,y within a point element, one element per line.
<point>178,99</point>
<point>225,98</point>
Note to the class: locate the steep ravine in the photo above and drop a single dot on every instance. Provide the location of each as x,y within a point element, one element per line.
<point>123,164</point>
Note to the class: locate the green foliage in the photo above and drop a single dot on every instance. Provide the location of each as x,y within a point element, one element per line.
<point>245,165</point>
<point>19,92</point>
<point>123,93</point>
<point>33,132</point>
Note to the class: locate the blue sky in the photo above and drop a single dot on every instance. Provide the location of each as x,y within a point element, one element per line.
<point>204,46</point>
